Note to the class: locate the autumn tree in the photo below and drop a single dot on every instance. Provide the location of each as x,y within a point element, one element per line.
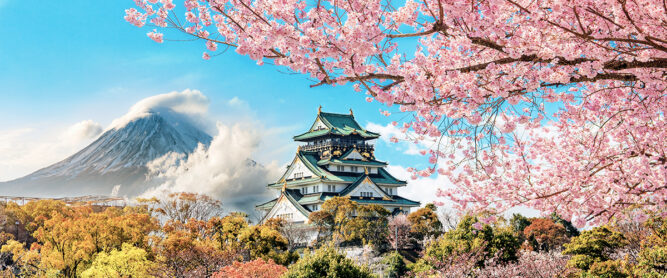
<point>266,242</point>
<point>333,217</point>
<point>258,268</point>
<point>295,233</point>
<point>552,104</point>
<point>425,223</point>
<point>186,251</point>
<point>544,235</point>
<point>369,226</point>
<point>183,206</point>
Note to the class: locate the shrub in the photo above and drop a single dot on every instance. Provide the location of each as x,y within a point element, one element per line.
<point>326,262</point>
<point>130,261</point>
<point>395,265</point>
<point>593,246</point>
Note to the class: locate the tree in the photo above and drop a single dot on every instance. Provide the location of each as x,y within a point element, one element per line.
<point>296,234</point>
<point>262,241</point>
<point>593,246</point>
<point>396,267</point>
<point>326,262</point>
<point>482,74</point>
<point>399,231</point>
<point>652,261</point>
<point>546,234</point>
<point>332,218</point>
<point>258,268</point>
<point>182,206</point>
<point>370,226</point>
<point>471,240</point>
<point>129,261</point>
<point>425,223</point>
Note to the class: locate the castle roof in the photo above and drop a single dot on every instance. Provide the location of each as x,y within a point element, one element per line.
<point>312,162</point>
<point>335,124</point>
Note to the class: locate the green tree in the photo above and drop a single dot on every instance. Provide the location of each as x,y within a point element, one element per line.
<point>370,226</point>
<point>593,246</point>
<point>518,223</point>
<point>326,263</point>
<point>263,241</point>
<point>128,262</point>
<point>571,230</point>
<point>490,240</point>
<point>396,266</point>
<point>652,261</point>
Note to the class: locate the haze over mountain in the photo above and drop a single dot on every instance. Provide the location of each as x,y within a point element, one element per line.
<point>118,157</point>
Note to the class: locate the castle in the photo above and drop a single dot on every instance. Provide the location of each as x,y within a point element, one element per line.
<point>337,158</point>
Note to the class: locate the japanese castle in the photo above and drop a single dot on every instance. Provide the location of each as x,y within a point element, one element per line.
<point>337,158</point>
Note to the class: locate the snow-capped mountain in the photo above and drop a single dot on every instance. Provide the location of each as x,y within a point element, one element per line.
<point>118,157</point>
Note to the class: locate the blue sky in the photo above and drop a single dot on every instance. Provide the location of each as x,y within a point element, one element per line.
<point>63,62</point>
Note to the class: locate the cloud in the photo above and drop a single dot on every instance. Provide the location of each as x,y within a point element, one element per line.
<point>225,170</point>
<point>191,103</point>
<point>83,130</point>
<point>405,140</point>
<point>25,150</point>
<point>421,189</point>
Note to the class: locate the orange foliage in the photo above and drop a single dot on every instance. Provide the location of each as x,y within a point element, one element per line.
<point>258,268</point>
<point>546,233</point>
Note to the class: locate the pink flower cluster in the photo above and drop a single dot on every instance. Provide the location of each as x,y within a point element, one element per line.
<point>552,104</point>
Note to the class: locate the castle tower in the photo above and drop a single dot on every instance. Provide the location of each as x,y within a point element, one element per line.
<point>337,158</point>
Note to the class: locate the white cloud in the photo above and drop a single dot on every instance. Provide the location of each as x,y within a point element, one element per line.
<point>226,170</point>
<point>83,130</point>
<point>421,189</point>
<point>405,142</point>
<point>25,150</point>
<point>191,103</point>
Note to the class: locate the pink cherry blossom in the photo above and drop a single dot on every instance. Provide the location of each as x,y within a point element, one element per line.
<point>551,104</point>
<point>154,35</point>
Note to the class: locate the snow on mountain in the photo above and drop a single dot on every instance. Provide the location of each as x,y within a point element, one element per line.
<point>118,157</point>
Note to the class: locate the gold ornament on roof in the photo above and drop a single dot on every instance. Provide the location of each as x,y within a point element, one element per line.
<point>319,110</point>
<point>337,153</point>
<point>351,113</point>
<point>366,154</point>
<point>366,170</point>
<point>284,187</point>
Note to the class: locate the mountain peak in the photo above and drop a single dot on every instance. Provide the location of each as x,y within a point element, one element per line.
<point>121,151</point>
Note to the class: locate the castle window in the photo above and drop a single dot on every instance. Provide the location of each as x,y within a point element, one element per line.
<point>304,190</point>
<point>339,168</point>
<point>316,188</point>
<point>298,175</point>
<point>366,194</point>
<point>331,188</point>
<point>354,168</point>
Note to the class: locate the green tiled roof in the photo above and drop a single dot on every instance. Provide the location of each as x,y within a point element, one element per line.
<point>351,162</point>
<point>310,159</point>
<point>337,124</point>
<point>385,178</point>
<point>352,186</point>
<point>396,200</point>
<point>268,205</point>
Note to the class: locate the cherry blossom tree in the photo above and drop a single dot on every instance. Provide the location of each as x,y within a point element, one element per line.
<point>557,105</point>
